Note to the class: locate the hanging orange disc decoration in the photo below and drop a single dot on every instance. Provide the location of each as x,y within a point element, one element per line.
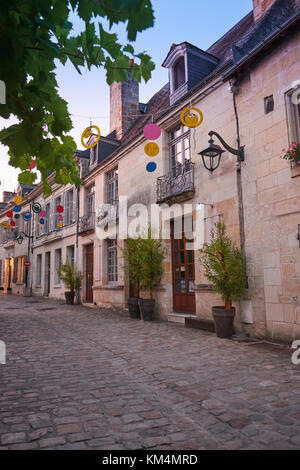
<point>191,117</point>
<point>87,134</point>
<point>151,149</point>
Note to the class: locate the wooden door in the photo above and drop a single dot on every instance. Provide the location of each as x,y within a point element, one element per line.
<point>89,272</point>
<point>183,275</point>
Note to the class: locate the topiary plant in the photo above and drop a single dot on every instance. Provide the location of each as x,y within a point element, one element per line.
<point>224,265</point>
<point>151,254</point>
<point>70,276</point>
<point>132,257</point>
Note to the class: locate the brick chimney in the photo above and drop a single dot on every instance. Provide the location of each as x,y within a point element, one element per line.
<point>124,106</point>
<point>260,7</point>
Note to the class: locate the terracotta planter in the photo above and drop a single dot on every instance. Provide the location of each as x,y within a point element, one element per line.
<point>133,307</point>
<point>223,321</point>
<point>70,297</point>
<point>147,309</point>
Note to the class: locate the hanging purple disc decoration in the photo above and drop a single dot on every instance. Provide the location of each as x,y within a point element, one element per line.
<point>42,213</point>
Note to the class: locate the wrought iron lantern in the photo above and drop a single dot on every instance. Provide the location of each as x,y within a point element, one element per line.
<point>211,155</point>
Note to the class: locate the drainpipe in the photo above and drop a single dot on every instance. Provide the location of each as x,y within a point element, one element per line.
<point>239,177</point>
<point>76,243</point>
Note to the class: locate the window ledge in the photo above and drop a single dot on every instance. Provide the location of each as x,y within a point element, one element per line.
<point>108,287</point>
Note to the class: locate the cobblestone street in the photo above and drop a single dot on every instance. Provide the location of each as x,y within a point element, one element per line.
<point>79,378</point>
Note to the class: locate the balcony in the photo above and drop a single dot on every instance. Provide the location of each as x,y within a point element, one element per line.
<point>87,223</point>
<point>176,186</point>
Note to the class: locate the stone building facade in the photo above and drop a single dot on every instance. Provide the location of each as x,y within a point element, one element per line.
<point>247,85</point>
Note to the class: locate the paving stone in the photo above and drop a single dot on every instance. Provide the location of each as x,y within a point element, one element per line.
<point>12,438</point>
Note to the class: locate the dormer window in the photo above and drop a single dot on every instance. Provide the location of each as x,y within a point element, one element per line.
<point>179,73</point>
<point>188,65</point>
<point>93,155</point>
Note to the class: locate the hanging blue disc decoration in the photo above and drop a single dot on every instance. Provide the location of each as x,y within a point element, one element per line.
<point>27,216</point>
<point>17,208</point>
<point>42,221</point>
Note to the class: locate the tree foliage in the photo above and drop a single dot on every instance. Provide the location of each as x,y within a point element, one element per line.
<point>36,33</point>
<point>224,265</point>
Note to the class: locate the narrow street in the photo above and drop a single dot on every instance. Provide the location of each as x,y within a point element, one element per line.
<point>79,378</point>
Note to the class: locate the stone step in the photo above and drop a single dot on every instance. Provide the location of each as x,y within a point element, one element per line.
<point>179,317</point>
<point>200,324</point>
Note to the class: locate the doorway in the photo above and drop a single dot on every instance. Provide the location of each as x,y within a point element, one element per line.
<point>89,267</point>
<point>183,274</point>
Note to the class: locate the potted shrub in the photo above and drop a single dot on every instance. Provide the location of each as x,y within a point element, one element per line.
<point>71,279</point>
<point>1,290</point>
<point>292,154</point>
<point>224,266</point>
<point>151,255</point>
<point>9,290</point>
<point>133,268</point>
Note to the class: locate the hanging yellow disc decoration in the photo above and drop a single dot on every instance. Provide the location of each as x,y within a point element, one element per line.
<point>151,149</point>
<point>60,224</point>
<point>18,199</point>
<point>191,117</point>
<point>87,134</point>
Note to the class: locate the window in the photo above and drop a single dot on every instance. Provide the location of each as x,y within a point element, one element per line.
<point>112,187</point>
<point>292,99</point>
<point>179,73</point>
<point>93,154</point>
<point>91,200</point>
<point>47,219</point>
<point>38,270</point>
<point>180,150</point>
<point>70,254</point>
<point>69,207</point>
<point>57,265</point>
<point>269,104</point>
<point>112,260</point>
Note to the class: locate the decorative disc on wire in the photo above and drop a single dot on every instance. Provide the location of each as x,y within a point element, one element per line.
<point>152,131</point>
<point>17,216</point>
<point>60,209</point>
<point>36,207</point>
<point>27,216</point>
<point>9,214</point>
<point>87,134</point>
<point>42,221</point>
<point>42,213</point>
<point>18,199</point>
<point>191,117</point>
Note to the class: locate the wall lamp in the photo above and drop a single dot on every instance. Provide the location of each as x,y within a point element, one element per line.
<point>211,155</point>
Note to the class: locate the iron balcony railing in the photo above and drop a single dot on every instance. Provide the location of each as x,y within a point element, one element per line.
<point>179,182</point>
<point>87,223</point>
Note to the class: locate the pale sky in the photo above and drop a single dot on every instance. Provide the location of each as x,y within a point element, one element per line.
<point>197,21</point>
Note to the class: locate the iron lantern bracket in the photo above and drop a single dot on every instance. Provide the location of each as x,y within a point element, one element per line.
<point>238,152</point>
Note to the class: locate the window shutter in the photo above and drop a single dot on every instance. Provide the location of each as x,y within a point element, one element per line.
<point>15,274</point>
<point>74,215</point>
<point>0,271</point>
